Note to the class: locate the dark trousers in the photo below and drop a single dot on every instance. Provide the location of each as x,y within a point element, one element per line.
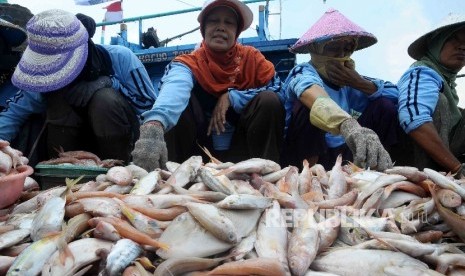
<point>107,125</point>
<point>305,141</point>
<point>258,133</point>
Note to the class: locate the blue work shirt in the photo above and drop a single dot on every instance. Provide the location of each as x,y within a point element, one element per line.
<point>351,100</point>
<point>130,78</point>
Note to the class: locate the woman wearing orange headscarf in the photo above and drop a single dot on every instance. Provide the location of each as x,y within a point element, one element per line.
<point>223,95</point>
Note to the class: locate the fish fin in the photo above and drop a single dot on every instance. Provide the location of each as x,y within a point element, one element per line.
<point>224,171</point>
<point>64,251</point>
<point>127,212</point>
<point>354,167</point>
<point>442,267</point>
<point>83,271</point>
<point>208,153</point>
<point>140,268</point>
<point>70,183</point>
<point>162,245</point>
<point>178,190</point>
<point>86,234</point>
<point>59,150</point>
<point>145,262</point>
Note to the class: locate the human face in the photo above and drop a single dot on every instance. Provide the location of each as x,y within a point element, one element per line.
<point>453,52</point>
<point>339,48</point>
<point>220,29</point>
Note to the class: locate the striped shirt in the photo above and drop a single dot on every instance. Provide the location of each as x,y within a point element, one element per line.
<point>419,89</point>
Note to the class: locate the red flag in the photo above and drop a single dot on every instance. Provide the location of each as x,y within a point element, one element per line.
<point>114,12</point>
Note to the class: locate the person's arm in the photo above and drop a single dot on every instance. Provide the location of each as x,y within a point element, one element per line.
<point>150,151</point>
<point>327,115</point>
<point>427,137</point>
<point>310,94</point>
<point>19,108</point>
<point>240,98</point>
<point>419,90</point>
<point>131,78</point>
<point>173,97</point>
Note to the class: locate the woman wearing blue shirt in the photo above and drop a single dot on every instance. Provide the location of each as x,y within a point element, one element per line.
<point>92,95</point>
<point>350,114</point>
<point>223,95</point>
<point>428,100</point>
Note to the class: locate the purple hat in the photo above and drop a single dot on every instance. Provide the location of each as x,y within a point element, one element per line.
<point>333,25</point>
<point>56,52</point>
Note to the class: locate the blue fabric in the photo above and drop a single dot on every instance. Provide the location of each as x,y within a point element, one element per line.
<point>177,83</point>
<point>419,89</point>
<point>353,101</point>
<point>130,78</point>
<point>7,90</point>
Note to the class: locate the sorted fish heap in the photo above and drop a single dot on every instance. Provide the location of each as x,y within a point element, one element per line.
<point>248,218</point>
<point>82,158</point>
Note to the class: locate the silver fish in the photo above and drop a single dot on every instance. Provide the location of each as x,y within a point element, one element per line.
<point>121,255</point>
<point>185,235</point>
<point>349,261</point>
<point>245,201</point>
<point>85,252</point>
<point>13,237</point>
<point>212,219</point>
<point>146,184</point>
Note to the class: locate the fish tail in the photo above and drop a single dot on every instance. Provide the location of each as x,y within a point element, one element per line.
<point>70,183</point>
<point>64,251</point>
<point>127,212</point>
<point>161,245</point>
<point>208,153</point>
<point>224,171</point>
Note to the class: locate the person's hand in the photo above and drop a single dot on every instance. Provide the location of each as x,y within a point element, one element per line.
<point>150,150</point>
<point>342,75</point>
<point>80,93</point>
<point>219,115</point>
<point>365,146</point>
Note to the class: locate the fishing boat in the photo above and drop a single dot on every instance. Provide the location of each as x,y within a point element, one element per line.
<point>156,58</point>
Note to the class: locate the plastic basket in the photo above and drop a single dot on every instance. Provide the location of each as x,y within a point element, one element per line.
<point>49,176</point>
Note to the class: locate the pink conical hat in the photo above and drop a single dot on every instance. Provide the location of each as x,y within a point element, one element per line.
<point>332,25</point>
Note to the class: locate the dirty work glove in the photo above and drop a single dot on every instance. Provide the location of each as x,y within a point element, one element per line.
<point>327,115</point>
<point>150,150</point>
<point>365,146</point>
<point>79,94</point>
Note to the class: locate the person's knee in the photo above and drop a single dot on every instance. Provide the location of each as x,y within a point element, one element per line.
<point>270,101</point>
<point>110,114</point>
<point>387,106</point>
<point>105,101</point>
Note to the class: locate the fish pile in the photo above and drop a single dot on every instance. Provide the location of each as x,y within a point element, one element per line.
<point>247,218</point>
<point>10,158</point>
<point>81,158</point>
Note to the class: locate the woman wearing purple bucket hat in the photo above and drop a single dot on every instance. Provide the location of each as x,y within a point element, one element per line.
<point>92,94</point>
<point>428,100</point>
<point>350,114</point>
<point>223,95</point>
